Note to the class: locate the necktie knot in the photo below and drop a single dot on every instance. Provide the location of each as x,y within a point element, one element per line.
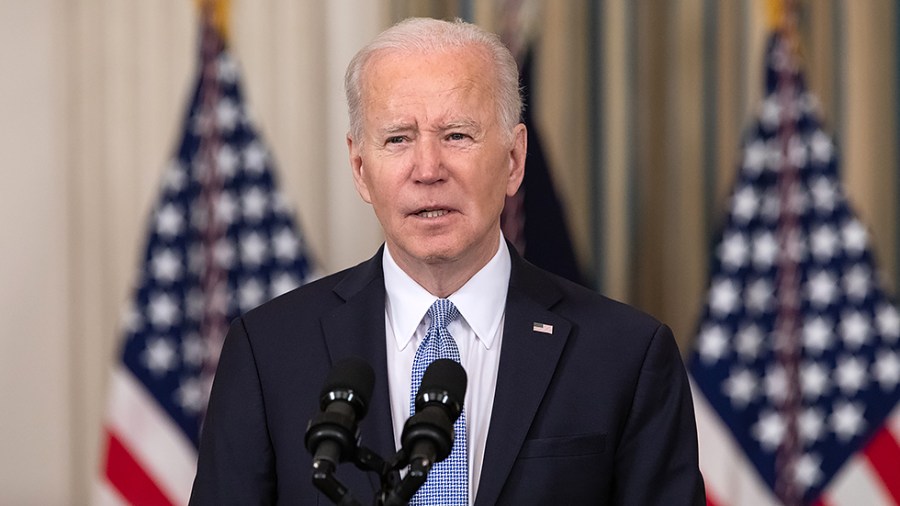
<point>442,312</point>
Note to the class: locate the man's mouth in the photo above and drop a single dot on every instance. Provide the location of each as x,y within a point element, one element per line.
<point>432,213</point>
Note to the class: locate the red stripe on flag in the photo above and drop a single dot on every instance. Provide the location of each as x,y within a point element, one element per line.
<point>883,453</point>
<point>709,499</point>
<point>129,478</point>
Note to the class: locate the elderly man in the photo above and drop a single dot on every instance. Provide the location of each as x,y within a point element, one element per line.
<point>572,399</point>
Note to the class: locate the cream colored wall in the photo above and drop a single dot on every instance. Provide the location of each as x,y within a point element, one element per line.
<point>35,423</point>
<point>92,93</point>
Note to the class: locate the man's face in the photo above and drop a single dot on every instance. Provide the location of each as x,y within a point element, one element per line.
<point>433,160</point>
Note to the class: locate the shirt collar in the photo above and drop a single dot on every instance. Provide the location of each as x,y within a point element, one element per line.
<point>481,301</point>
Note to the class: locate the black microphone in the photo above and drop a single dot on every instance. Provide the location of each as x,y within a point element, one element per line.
<point>428,435</point>
<point>333,435</point>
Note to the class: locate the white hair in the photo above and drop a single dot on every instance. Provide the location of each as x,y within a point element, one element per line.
<point>432,35</point>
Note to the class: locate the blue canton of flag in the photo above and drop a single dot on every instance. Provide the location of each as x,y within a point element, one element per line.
<point>221,241</point>
<point>796,366</point>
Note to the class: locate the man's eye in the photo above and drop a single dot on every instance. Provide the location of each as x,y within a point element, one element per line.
<point>397,139</point>
<point>456,136</point>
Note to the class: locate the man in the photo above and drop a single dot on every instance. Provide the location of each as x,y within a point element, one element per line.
<point>572,398</point>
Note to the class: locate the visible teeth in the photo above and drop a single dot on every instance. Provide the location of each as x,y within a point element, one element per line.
<point>432,214</point>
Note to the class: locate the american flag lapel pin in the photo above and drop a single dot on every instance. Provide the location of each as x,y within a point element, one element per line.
<point>542,327</point>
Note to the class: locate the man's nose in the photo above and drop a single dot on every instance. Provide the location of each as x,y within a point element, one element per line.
<point>429,164</point>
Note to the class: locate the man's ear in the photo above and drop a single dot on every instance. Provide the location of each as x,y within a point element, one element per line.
<point>356,164</point>
<point>517,159</point>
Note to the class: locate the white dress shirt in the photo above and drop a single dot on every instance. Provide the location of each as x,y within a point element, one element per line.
<point>478,334</point>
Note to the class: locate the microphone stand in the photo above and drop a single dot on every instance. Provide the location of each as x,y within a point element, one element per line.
<point>394,491</point>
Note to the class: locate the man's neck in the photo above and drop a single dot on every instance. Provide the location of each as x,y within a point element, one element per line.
<point>443,278</point>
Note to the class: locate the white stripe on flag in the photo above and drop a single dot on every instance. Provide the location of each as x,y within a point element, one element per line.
<point>730,478</point>
<point>151,437</point>
<point>106,495</point>
<point>857,484</point>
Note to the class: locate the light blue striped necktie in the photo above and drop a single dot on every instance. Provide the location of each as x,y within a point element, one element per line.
<point>448,480</point>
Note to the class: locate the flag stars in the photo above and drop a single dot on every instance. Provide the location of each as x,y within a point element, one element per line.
<point>821,289</point>
<point>808,470</point>
<point>765,250</point>
<point>797,154</point>
<point>821,147</point>
<point>226,208</point>
<point>132,319</point>
<point>858,282</point>
<point>191,395</point>
<point>771,208</point>
<point>227,69</point>
<point>776,384</point>
<point>850,374</point>
<point>741,387</point>
<point>193,349</point>
<point>769,430</point>
<point>760,296</point>
<point>175,177</point>
<point>774,156</point>
<point>224,253</point>
<point>713,343</point>
<point>887,369</point>
<point>286,245</point>
<point>255,156</point>
<point>824,195</point>
<point>811,425</point>
<point>163,310</point>
<point>169,221</point>
<point>824,243</point>
<point>283,283</point>
<point>770,114</point>
<point>733,251</point>
<point>888,321</point>
<point>814,380</point>
<point>745,204</point>
<point>227,114</point>
<point>749,342</point>
<point>255,204</point>
<point>194,304</point>
<point>855,237</point>
<point>755,156</point>
<point>855,329</point>
<point>817,335</point>
<point>159,356</point>
<point>847,420</point>
<point>724,296</point>
<point>227,161</point>
<point>166,265</point>
<point>251,293</point>
<point>253,249</point>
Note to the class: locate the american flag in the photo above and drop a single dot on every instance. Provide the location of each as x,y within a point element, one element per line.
<point>221,241</point>
<point>796,368</point>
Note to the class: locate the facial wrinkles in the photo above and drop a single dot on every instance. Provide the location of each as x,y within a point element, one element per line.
<point>410,106</point>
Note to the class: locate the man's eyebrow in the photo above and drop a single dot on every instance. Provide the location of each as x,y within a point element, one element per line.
<point>393,128</point>
<point>461,123</point>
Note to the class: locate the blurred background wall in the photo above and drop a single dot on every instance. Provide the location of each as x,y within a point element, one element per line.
<point>641,106</point>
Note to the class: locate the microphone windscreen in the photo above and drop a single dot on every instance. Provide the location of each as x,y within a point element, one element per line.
<point>351,374</point>
<point>445,374</point>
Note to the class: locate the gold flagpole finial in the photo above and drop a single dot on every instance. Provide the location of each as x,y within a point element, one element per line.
<point>775,14</point>
<point>783,16</point>
<point>220,15</point>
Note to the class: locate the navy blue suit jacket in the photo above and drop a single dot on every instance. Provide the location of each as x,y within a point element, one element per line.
<point>598,412</point>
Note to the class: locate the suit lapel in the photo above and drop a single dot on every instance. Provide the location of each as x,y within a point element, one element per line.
<point>356,328</point>
<point>528,360</point>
